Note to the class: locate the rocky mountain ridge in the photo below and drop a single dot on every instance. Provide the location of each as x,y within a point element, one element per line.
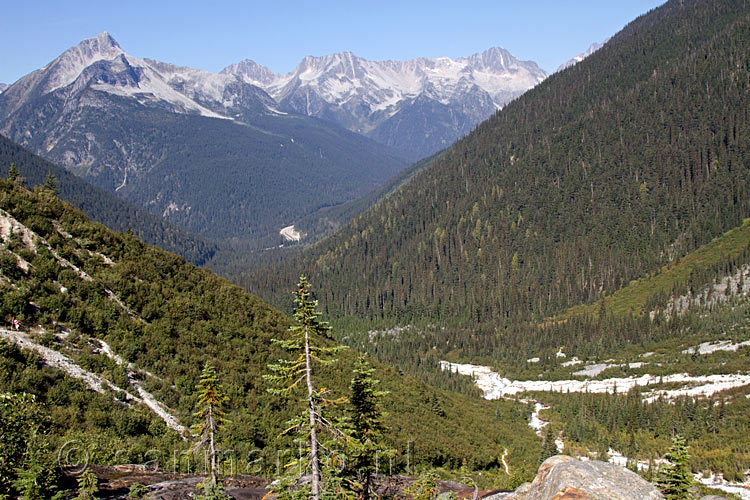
<point>209,152</point>
<point>381,99</point>
<point>435,100</point>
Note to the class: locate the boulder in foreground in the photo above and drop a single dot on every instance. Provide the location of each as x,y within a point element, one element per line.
<point>565,478</point>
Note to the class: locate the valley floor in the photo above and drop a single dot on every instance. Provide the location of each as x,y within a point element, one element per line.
<point>494,386</point>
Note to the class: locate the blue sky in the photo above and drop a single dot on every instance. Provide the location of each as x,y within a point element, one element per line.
<point>278,34</point>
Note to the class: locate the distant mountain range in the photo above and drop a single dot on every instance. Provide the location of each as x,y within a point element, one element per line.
<point>245,152</point>
<point>209,152</point>
<point>3,86</point>
<point>418,106</point>
<point>583,55</point>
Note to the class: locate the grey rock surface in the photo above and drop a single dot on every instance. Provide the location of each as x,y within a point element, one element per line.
<point>565,478</point>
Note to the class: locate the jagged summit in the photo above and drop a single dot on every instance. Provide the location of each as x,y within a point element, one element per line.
<point>69,65</point>
<point>101,64</point>
<point>495,58</point>
<point>251,72</point>
<point>437,99</point>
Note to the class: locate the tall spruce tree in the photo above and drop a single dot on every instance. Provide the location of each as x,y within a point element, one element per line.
<point>549,448</point>
<point>675,479</point>
<point>306,346</point>
<point>210,403</point>
<point>365,444</point>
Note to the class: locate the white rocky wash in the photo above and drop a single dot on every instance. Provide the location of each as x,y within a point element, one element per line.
<point>597,369</point>
<point>9,225</point>
<point>718,482</point>
<point>721,291</point>
<point>572,362</point>
<point>95,382</point>
<point>146,397</point>
<point>494,386</point>
<point>290,234</point>
<point>535,422</point>
<point>711,347</point>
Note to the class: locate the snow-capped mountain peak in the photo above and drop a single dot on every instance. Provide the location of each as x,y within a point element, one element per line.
<point>371,97</point>
<point>70,64</point>
<point>100,64</point>
<point>337,78</point>
<point>417,106</point>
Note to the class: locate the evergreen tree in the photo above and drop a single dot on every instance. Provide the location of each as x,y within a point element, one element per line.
<point>27,469</point>
<point>306,348</point>
<point>549,448</point>
<point>210,403</point>
<point>50,183</point>
<point>137,491</point>
<point>13,174</point>
<point>88,486</point>
<point>365,444</point>
<point>675,479</point>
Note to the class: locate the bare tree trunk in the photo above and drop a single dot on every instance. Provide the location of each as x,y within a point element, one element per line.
<point>211,440</point>
<point>366,486</point>
<point>313,420</point>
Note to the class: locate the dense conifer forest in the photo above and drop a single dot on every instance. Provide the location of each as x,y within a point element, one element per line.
<point>601,174</point>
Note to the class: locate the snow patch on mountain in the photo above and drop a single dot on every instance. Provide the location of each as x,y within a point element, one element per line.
<point>338,78</point>
<point>103,64</point>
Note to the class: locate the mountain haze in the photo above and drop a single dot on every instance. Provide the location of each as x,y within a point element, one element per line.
<point>417,107</point>
<point>208,152</point>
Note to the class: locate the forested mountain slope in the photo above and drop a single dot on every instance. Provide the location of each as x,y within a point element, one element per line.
<point>75,285</point>
<point>103,206</point>
<point>600,174</point>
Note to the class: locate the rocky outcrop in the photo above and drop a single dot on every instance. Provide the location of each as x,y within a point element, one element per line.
<point>565,478</point>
